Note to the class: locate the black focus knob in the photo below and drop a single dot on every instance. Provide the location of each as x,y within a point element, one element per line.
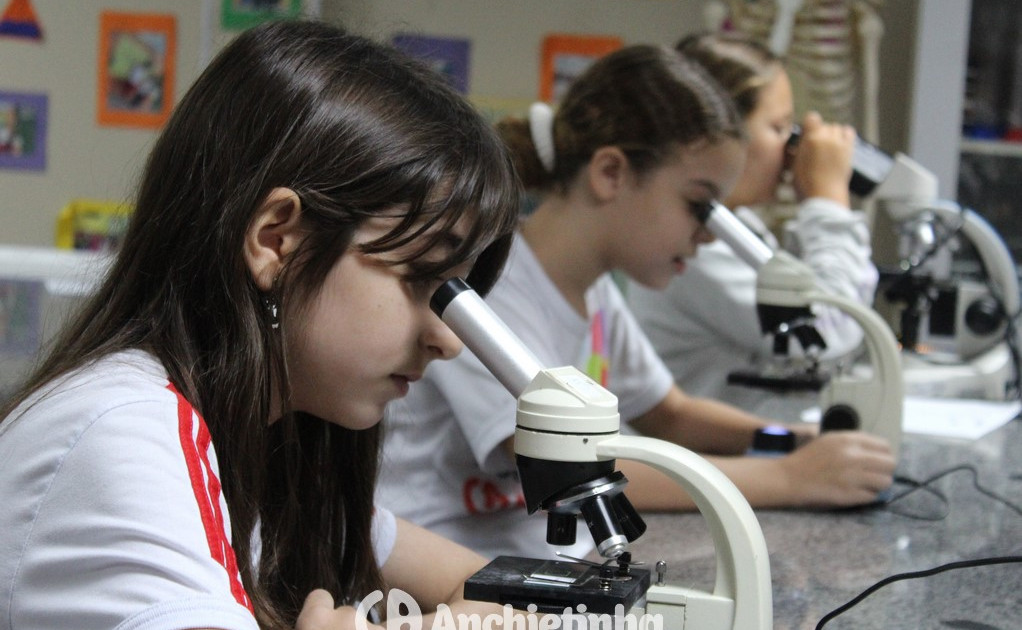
<point>839,418</point>
<point>984,316</point>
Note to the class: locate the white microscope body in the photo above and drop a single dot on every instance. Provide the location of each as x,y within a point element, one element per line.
<point>954,332</point>
<point>566,420</point>
<point>871,401</point>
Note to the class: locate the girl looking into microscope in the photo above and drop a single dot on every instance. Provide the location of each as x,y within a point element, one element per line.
<point>199,448</point>
<point>625,171</point>
<point>704,324</point>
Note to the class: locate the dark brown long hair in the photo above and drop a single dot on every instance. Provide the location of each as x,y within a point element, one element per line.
<point>647,100</point>
<point>355,129</point>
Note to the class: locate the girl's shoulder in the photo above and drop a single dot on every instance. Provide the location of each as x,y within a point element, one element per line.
<point>125,392</point>
<point>111,465</point>
<point>118,379</point>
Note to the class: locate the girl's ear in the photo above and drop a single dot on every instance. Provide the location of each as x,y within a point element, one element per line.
<point>608,172</point>
<point>273,234</point>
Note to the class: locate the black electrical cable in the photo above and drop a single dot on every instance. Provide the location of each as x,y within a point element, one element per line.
<point>920,485</point>
<point>925,486</point>
<point>888,505</point>
<point>964,564</point>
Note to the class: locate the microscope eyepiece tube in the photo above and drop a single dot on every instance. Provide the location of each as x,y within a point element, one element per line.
<point>730,229</point>
<point>486,335</point>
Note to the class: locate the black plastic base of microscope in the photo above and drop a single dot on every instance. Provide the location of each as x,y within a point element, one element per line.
<point>795,382</point>
<point>555,585</point>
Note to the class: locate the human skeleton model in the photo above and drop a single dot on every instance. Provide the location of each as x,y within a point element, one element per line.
<point>830,48</point>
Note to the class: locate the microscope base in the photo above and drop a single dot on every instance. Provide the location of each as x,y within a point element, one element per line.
<point>983,377</point>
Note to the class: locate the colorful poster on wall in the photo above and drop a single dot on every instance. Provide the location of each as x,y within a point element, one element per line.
<point>242,14</point>
<point>565,57</point>
<point>496,108</point>
<point>92,225</point>
<point>23,130</point>
<point>448,56</point>
<point>19,20</point>
<point>136,68</point>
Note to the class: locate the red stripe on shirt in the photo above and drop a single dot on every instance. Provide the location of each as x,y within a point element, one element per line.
<point>206,488</point>
<point>213,491</point>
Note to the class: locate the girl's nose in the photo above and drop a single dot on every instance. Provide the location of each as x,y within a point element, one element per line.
<point>439,340</point>
<point>704,235</point>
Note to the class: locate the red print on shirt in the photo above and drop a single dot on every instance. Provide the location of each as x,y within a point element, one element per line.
<point>485,495</point>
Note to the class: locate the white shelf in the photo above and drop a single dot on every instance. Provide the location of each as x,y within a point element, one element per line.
<point>991,147</point>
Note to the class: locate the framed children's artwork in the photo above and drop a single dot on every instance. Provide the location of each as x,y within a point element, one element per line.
<point>136,68</point>
<point>495,108</point>
<point>565,57</point>
<point>448,56</point>
<point>19,20</point>
<point>242,14</point>
<point>92,224</point>
<point>23,130</point>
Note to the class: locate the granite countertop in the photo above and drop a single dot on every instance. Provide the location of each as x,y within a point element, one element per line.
<point>821,560</point>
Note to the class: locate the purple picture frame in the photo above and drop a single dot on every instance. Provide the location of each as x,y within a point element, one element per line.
<point>449,56</point>
<point>23,121</point>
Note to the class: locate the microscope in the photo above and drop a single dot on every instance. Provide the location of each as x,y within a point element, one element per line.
<point>566,442</point>
<point>871,399</point>
<point>956,326</point>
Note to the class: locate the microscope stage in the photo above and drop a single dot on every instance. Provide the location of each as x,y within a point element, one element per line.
<point>555,585</point>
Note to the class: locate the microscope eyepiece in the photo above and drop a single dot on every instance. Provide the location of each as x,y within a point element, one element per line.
<point>485,334</point>
<point>564,488</point>
<point>446,294</point>
<point>870,164</point>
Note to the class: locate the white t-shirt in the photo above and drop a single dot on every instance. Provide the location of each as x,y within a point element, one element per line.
<point>112,511</point>
<point>443,467</point>
<point>704,325</point>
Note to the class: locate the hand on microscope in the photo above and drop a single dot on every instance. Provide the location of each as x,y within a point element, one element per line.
<point>821,161</point>
<point>417,552</point>
<point>835,469</point>
<point>318,613</point>
<point>838,469</point>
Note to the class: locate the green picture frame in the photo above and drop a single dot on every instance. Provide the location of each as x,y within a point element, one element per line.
<point>242,14</point>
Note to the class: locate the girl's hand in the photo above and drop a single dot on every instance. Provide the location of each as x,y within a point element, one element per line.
<point>318,613</point>
<point>823,160</point>
<point>839,469</point>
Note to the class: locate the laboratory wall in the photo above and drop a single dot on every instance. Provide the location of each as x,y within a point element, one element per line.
<point>85,159</point>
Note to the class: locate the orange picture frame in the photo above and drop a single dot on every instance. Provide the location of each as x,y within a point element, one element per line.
<point>136,67</point>
<point>564,57</point>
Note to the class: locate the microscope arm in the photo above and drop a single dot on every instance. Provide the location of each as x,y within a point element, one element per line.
<point>878,399</point>
<point>743,568</point>
<point>996,258</point>
<point>742,596</point>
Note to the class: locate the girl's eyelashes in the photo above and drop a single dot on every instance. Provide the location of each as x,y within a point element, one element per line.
<point>422,280</point>
<point>701,210</point>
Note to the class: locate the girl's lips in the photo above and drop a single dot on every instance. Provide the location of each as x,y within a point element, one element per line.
<point>679,265</point>
<point>402,384</point>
